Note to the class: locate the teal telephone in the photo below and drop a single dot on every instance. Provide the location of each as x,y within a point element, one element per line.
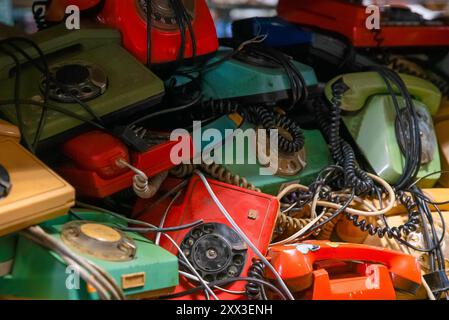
<point>370,117</point>
<point>233,75</point>
<point>232,86</point>
<point>138,267</point>
<point>303,166</point>
<point>238,161</point>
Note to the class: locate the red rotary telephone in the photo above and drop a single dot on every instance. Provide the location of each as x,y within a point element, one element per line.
<point>167,37</point>
<point>214,249</point>
<point>344,271</point>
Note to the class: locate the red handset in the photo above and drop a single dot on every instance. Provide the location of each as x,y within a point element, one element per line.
<point>129,16</point>
<point>350,20</point>
<point>375,275</point>
<point>94,170</point>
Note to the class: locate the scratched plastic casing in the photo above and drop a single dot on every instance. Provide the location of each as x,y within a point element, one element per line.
<point>254,212</point>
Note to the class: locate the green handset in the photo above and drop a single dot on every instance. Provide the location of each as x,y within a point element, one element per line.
<point>370,117</point>
<point>363,85</point>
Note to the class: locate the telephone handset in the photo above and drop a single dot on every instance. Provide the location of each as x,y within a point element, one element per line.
<point>370,116</point>
<point>376,274</point>
<point>96,168</point>
<point>362,85</point>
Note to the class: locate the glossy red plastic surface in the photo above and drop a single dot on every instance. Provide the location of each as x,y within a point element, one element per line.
<point>195,204</point>
<point>127,16</point>
<point>349,20</point>
<point>97,151</point>
<point>301,266</point>
<point>93,169</point>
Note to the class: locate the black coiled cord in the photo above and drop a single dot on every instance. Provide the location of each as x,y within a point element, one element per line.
<point>254,290</point>
<point>391,232</point>
<point>355,177</point>
<point>341,151</point>
<point>213,107</point>
<point>263,116</point>
<point>297,136</point>
<point>268,119</point>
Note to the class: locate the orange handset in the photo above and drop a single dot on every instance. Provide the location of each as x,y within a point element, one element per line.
<point>375,272</point>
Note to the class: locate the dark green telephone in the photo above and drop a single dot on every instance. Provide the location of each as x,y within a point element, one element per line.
<point>84,84</point>
<point>369,115</point>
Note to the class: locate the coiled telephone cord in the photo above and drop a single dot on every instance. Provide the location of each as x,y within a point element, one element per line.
<point>254,290</point>
<point>216,171</point>
<point>341,151</point>
<point>258,115</point>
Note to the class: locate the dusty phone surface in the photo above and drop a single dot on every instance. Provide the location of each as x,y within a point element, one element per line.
<point>83,83</point>
<point>369,115</point>
<point>36,193</point>
<point>138,266</point>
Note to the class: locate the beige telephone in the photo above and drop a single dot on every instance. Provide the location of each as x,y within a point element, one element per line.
<point>32,192</point>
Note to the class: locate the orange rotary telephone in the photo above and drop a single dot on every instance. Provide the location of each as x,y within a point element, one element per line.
<point>344,271</point>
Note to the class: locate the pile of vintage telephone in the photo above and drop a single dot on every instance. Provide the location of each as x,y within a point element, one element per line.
<point>99,199</point>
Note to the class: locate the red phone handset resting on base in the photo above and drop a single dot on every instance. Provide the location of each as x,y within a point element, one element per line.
<point>323,270</point>
<point>399,26</point>
<point>130,17</point>
<point>94,169</point>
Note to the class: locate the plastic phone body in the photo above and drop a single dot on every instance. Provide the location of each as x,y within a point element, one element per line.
<point>255,213</point>
<point>241,80</point>
<point>146,271</point>
<point>370,117</point>
<point>349,19</point>
<point>130,18</point>
<point>305,265</point>
<point>248,162</point>
<point>277,32</point>
<point>37,193</point>
<point>93,167</point>
<point>116,89</point>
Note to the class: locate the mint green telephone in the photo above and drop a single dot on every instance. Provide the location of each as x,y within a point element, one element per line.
<point>369,115</point>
